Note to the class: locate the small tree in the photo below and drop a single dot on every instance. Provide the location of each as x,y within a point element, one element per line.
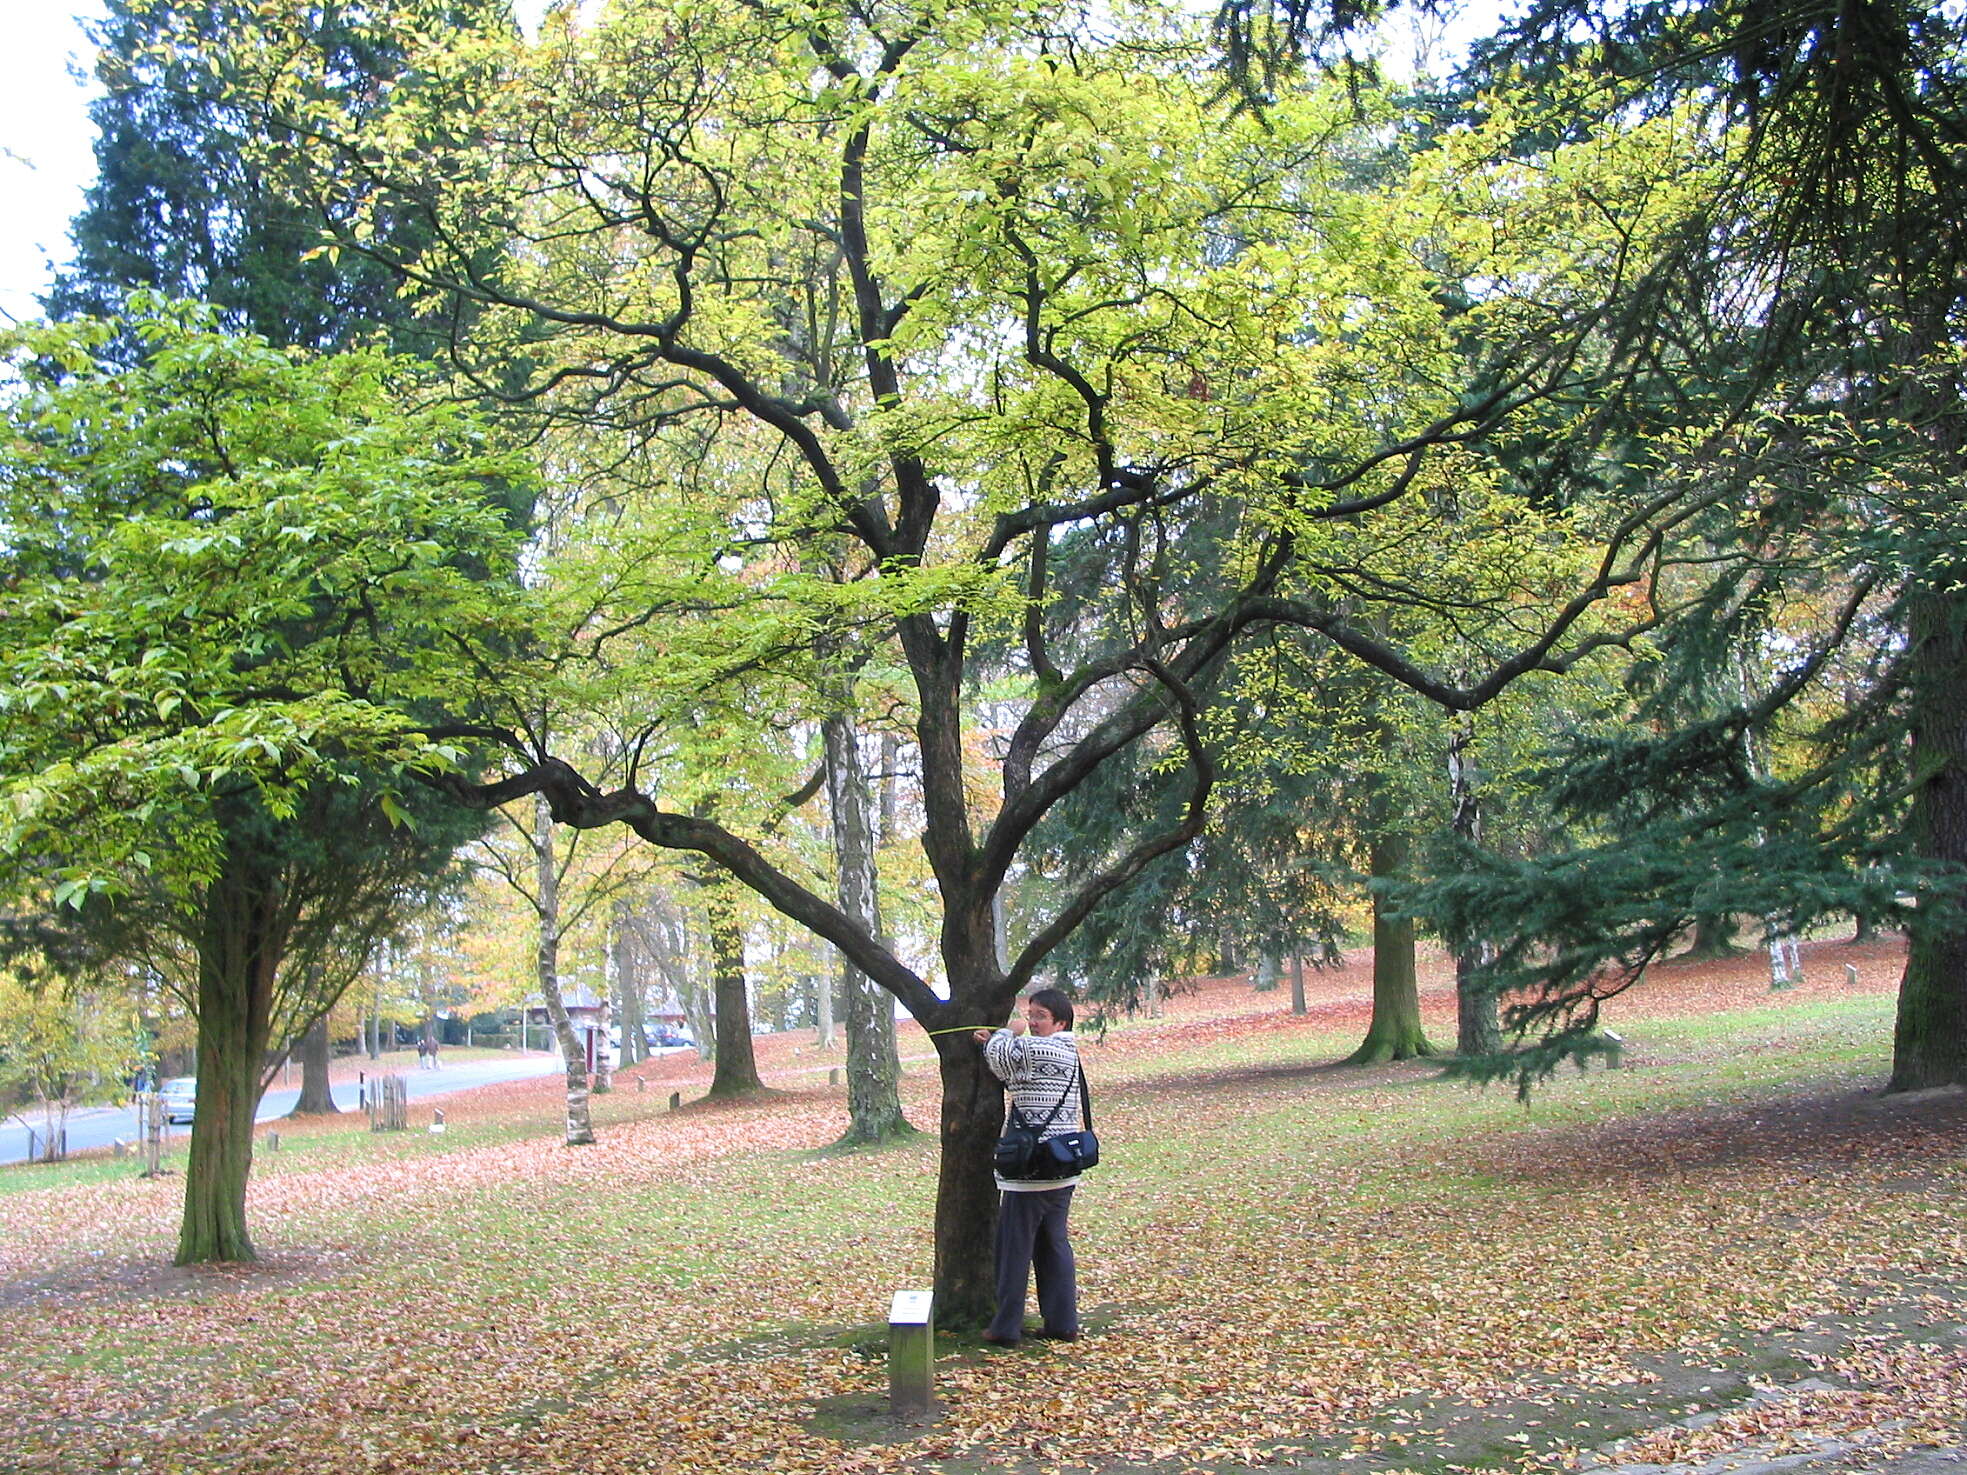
<point>64,1045</point>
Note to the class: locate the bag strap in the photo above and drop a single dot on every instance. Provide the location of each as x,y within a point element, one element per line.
<point>1057,1106</point>
<point>1085,1097</point>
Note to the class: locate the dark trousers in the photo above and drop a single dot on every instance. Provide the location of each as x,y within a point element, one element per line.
<point>1031,1237</point>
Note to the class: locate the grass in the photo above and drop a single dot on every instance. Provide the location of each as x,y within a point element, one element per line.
<point>1282,1262</point>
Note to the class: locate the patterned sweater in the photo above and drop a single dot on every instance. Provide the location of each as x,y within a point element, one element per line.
<point>1035,1071</point>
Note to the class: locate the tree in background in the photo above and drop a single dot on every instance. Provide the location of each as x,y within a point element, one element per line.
<point>65,1044</point>
<point>1760,779</point>
<point>180,206</point>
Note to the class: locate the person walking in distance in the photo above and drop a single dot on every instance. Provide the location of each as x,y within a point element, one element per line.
<point>1037,1059</point>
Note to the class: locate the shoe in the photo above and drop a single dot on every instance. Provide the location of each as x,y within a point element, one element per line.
<point>1000,1341</point>
<point>1058,1336</point>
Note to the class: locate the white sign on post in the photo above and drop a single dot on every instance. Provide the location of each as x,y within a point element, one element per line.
<point>910,1308</point>
<point>911,1352</point>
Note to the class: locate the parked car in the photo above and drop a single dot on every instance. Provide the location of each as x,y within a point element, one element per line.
<point>180,1097</point>
<point>664,1038</point>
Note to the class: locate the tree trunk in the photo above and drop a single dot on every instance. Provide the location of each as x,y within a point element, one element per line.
<point>966,1191</point>
<point>874,1110</point>
<point>628,983</point>
<point>1270,971</point>
<point>828,1035</point>
<point>240,942</point>
<point>1395,1033</point>
<point>1929,1044</point>
<point>604,1027</point>
<point>1714,937</point>
<point>1477,1031</point>
<point>580,1124</point>
<point>317,1096</point>
<point>1297,982</point>
<point>735,1072</point>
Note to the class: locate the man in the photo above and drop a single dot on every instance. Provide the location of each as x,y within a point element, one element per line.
<point>1042,1073</point>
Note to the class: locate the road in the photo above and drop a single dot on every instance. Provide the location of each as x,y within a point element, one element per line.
<point>99,1126</point>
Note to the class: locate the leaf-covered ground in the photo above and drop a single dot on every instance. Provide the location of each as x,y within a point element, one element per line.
<point>1283,1263</point>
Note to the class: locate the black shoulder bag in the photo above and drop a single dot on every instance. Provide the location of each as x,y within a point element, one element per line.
<point>1072,1152</point>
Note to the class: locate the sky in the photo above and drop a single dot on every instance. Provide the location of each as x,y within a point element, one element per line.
<point>46,159</point>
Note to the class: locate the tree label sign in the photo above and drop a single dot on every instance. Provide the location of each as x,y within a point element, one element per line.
<point>911,1352</point>
<point>910,1308</point>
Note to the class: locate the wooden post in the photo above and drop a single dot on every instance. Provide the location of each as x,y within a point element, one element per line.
<point>151,1114</point>
<point>675,1100</point>
<point>911,1352</point>
<point>389,1105</point>
<point>1850,975</point>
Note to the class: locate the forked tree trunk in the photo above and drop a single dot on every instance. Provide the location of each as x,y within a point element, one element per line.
<point>1395,1032</point>
<point>580,1121</point>
<point>735,1072</point>
<point>317,1096</point>
<point>241,939</point>
<point>874,1110</point>
<point>1929,1043</point>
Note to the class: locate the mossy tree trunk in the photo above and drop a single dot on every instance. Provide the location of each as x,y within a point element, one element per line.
<point>1395,1032</point>
<point>1714,937</point>
<point>1929,1044</point>
<point>241,940</point>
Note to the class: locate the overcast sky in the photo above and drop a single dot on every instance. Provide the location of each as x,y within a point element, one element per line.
<point>45,156</point>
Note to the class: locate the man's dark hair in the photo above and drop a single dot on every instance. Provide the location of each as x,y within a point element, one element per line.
<point>1055,1003</point>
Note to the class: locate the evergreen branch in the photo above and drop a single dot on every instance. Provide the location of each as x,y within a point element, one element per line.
<point>1130,865</point>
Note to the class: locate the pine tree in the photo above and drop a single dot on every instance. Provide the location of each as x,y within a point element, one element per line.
<point>180,206</point>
